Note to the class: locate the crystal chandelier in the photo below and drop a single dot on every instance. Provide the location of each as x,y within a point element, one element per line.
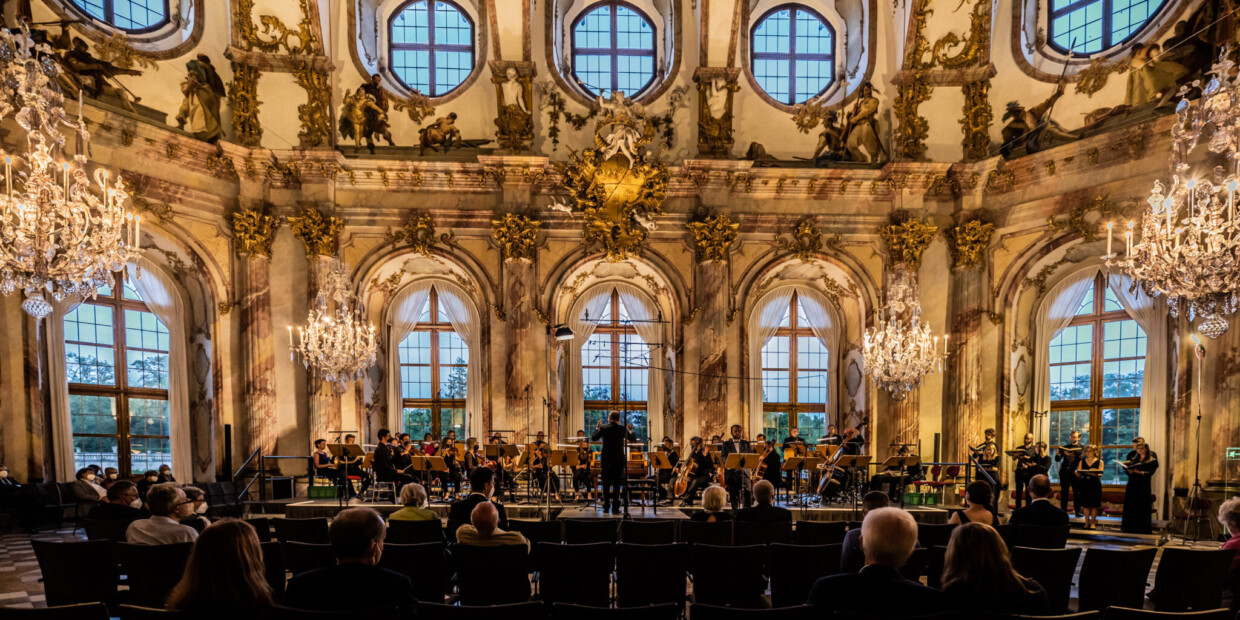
<point>337,346</point>
<point>1189,248</point>
<point>899,351</point>
<point>58,234</point>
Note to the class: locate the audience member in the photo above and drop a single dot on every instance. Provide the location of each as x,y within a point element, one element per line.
<point>149,479</point>
<point>978,496</point>
<point>763,510</point>
<point>483,529</point>
<point>197,517</point>
<point>8,484</point>
<point>1229,516</point>
<point>888,537</point>
<point>851,557</point>
<point>165,474</point>
<point>110,476</point>
<point>122,505</point>
<point>978,575</point>
<point>713,499</point>
<point>225,574</point>
<point>482,485</point>
<point>413,496</point>
<point>86,491</point>
<point>357,542</point>
<point>1040,511</point>
<point>167,505</point>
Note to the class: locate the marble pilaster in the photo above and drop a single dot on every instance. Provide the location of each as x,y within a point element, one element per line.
<point>324,402</point>
<point>521,360</point>
<point>962,407</point>
<point>711,323</point>
<point>32,364</point>
<point>257,354</point>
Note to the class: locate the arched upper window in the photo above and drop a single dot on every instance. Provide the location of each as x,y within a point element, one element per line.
<point>792,53</point>
<point>116,363</point>
<point>1089,26</point>
<point>1097,367</point>
<point>615,370</point>
<point>613,49</point>
<point>794,378</point>
<point>431,46</point>
<point>127,15</point>
<point>434,372</point>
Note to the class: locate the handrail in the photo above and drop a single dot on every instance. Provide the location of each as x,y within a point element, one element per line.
<point>246,463</point>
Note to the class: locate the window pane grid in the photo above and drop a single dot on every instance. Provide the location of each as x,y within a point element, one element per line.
<point>434,374</point>
<point>793,50</point>
<point>615,373</point>
<point>795,377</point>
<point>613,50</point>
<point>127,15</point>
<point>432,46</point>
<point>1090,26</point>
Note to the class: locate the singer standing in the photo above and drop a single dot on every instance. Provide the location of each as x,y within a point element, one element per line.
<point>614,436</point>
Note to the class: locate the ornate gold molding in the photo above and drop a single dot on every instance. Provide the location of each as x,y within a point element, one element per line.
<point>713,236</point>
<point>419,234</point>
<point>249,33</point>
<point>969,242</point>
<point>1094,78</point>
<point>1079,222</point>
<point>253,231</point>
<point>118,51</point>
<point>906,240</point>
<point>976,47</point>
<point>315,114</point>
<point>417,106</point>
<point>976,120</point>
<point>243,97</point>
<point>908,139</point>
<point>319,233</point>
<point>517,236</point>
<point>806,239</point>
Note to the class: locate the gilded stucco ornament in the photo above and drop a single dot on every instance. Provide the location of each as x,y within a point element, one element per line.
<point>254,230</point>
<point>419,234</point>
<point>908,139</point>
<point>713,236</point>
<point>417,106</point>
<point>315,114</point>
<point>318,232</point>
<point>252,35</point>
<point>243,99</point>
<point>806,240</point>
<point>907,239</point>
<point>517,235</point>
<point>1087,219</point>
<point>976,120</point>
<point>973,50</point>
<point>118,51</point>
<point>969,242</point>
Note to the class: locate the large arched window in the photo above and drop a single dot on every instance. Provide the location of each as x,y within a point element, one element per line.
<point>431,46</point>
<point>615,369</point>
<point>792,53</point>
<point>116,363</point>
<point>1090,26</point>
<point>613,49</point>
<point>128,15</point>
<point>1097,367</point>
<point>794,378</point>
<point>434,372</point>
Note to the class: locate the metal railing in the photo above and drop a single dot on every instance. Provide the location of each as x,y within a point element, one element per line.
<point>261,474</point>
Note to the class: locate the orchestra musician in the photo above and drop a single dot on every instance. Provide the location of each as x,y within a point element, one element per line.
<point>1068,457</point>
<point>538,439</point>
<point>540,468</point>
<point>789,442</point>
<point>614,436</point>
<point>581,473</point>
<point>701,467</point>
<point>772,459</point>
<point>895,477</point>
<point>496,464</point>
<point>324,466</point>
<point>832,437</point>
<point>737,481</point>
<point>354,469</point>
<point>384,461</point>
<point>665,475</point>
<point>453,476</point>
<point>428,445</point>
<point>1024,467</point>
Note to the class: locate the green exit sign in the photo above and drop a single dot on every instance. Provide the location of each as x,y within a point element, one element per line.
<point>1233,454</point>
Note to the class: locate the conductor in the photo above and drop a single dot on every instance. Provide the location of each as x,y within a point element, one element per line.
<point>614,436</point>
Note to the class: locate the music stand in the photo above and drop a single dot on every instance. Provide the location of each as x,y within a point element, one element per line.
<point>343,453</point>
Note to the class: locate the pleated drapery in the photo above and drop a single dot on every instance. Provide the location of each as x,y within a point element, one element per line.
<point>764,322</point>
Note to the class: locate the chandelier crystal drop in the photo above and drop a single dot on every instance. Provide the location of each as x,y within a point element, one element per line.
<point>337,346</point>
<point>899,351</point>
<point>1189,248</point>
<point>62,231</point>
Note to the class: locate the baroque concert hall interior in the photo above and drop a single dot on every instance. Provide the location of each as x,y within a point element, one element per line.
<point>670,309</point>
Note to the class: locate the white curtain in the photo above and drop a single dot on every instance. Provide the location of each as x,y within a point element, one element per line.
<point>1052,317</point>
<point>464,318</point>
<point>589,305</point>
<point>825,324</point>
<point>1151,315</point>
<point>763,324</point>
<point>643,311</point>
<point>403,315</point>
<point>58,382</point>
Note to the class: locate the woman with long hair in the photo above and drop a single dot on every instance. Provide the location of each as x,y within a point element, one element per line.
<point>978,497</point>
<point>978,575</point>
<point>224,574</point>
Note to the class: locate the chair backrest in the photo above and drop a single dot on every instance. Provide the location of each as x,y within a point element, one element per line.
<point>762,533</point>
<point>915,566</point>
<point>1040,537</point>
<point>80,611</point>
<point>585,531</point>
<point>153,570</point>
<point>280,612</point>
<point>950,473</point>
<point>648,531</point>
<point>426,565</point>
<point>538,531</point>
<point>650,574</point>
<point>577,574</point>
<point>819,532</point>
<point>77,572</point>
<point>134,612</point>
<point>565,611</point>
<point>1127,613</point>
<point>300,557</point>
<point>1191,579</point>
<point>105,529</point>
<point>273,566</point>
<point>1084,615</point>
<point>1113,577</point>
<point>795,568</point>
<point>698,532</point>
<point>491,575</point>
<point>415,532</point>
<point>935,556</point>
<point>449,530</point>
<point>312,531</point>
<point>934,534</point>
<point>731,576</point>
<point>1007,532</point>
<point>858,615</point>
<point>1054,569</point>
<point>514,611</point>
<point>699,611</point>
<point>262,525</point>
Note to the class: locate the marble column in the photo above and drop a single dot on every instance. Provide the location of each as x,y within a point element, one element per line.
<point>257,354</point>
<point>521,359</point>
<point>32,364</point>
<point>323,401</point>
<point>962,408</point>
<point>711,325</point>
<point>904,424</point>
<point>1220,386</point>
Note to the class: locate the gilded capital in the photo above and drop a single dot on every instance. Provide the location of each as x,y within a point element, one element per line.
<point>907,240</point>
<point>253,231</point>
<point>318,232</point>
<point>969,242</point>
<point>517,235</point>
<point>713,236</point>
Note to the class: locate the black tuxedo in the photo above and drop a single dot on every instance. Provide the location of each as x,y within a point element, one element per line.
<point>764,513</point>
<point>614,436</point>
<point>320,589</point>
<point>737,480</point>
<point>859,592</point>
<point>460,511</point>
<point>1025,469</point>
<point>107,511</point>
<point>1041,513</point>
<point>385,466</point>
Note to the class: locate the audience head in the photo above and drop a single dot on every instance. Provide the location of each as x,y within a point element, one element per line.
<point>225,571</point>
<point>4,471</point>
<point>357,536</point>
<point>197,498</point>
<point>888,536</point>
<point>874,500</point>
<point>481,479</point>
<point>86,474</point>
<point>166,500</point>
<point>979,492</point>
<point>1040,487</point>
<point>763,491</point>
<point>125,493</point>
<point>110,473</point>
<point>164,470</point>
<point>1229,515</point>
<point>95,468</point>
<point>414,495</point>
<point>485,518</point>
<point>713,498</point>
<point>151,475</point>
<point>978,558</point>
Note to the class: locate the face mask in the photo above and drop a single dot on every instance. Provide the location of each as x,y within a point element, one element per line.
<point>136,504</point>
<point>90,477</point>
<point>164,473</point>
<point>152,478</point>
<point>111,476</point>
<point>201,509</point>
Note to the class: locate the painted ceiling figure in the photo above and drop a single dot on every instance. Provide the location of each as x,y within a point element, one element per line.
<point>200,110</point>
